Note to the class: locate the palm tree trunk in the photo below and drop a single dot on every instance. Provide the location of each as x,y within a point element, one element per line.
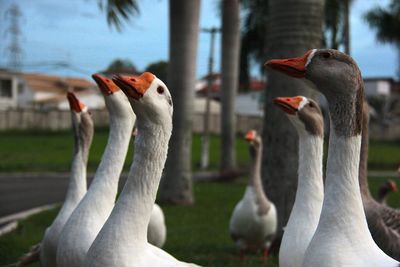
<point>176,184</point>
<point>294,27</point>
<point>346,26</point>
<point>230,78</point>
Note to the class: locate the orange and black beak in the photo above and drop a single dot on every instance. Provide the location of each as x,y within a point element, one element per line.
<point>106,85</point>
<point>289,105</point>
<point>295,67</point>
<point>250,135</point>
<point>134,86</point>
<point>74,103</point>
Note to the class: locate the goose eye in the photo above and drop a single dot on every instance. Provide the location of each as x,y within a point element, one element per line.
<point>160,90</point>
<point>326,55</point>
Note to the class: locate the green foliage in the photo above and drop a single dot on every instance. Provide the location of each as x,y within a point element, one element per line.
<point>160,69</point>
<point>121,66</point>
<point>118,10</point>
<point>386,21</point>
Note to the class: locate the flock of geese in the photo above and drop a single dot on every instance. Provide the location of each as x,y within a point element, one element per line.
<point>335,223</point>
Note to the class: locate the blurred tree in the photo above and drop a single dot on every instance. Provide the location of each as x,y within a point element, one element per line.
<point>337,24</point>
<point>176,184</point>
<point>230,78</point>
<point>118,10</point>
<point>254,34</point>
<point>121,66</point>
<point>386,21</point>
<point>294,26</point>
<point>159,68</point>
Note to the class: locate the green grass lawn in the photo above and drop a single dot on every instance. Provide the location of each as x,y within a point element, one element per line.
<point>51,151</point>
<point>196,234</point>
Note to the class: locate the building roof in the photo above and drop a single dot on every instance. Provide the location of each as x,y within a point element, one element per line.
<point>55,84</point>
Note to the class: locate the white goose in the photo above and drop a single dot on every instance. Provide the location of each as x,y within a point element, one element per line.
<point>253,222</point>
<point>88,218</point>
<point>82,125</point>
<point>342,237</point>
<point>307,118</point>
<point>123,239</point>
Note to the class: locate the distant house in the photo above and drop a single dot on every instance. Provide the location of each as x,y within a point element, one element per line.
<point>378,86</point>
<point>42,91</point>
<point>247,103</point>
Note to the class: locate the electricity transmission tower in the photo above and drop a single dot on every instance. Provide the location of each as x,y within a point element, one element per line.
<point>13,34</point>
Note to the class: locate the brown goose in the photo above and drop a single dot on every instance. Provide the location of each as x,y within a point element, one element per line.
<point>342,237</point>
<point>384,190</point>
<point>383,221</point>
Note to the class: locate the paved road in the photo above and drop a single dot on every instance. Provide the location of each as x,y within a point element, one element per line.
<point>22,191</point>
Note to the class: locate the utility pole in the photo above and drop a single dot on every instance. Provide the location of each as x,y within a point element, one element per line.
<point>13,15</point>
<point>205,147</point>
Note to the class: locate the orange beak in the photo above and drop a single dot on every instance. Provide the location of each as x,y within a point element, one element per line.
<point>250,135</point>
<point>74,103</point>
<point>393,186</point>
<point>289,105</point>
<point>134,86</point>
<point>106,85</point>
<point>295,67</point>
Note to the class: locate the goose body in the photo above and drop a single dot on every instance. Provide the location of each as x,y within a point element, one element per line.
<point>383,221</point>
<point>83,133</point>
<point>307,118</point>
<point>253,222</point>
<point>342,237</point>
<point>87,219</point>
<point>157,230</point>
<point>123,240</point>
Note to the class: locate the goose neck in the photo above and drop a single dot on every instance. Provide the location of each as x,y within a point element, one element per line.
<point>342,200</point>
<point>310,183</point>
<point>77,182</point>
<point>108,172</point>
<point>135,204</point>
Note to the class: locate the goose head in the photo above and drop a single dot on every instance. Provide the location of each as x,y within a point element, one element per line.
<point>255,142</point>
<point>304,113</point>
<point>391,186</point>
<point>149,97</point>
<point>337,76</point>
<point>82,122</point>
<point>113,96</point>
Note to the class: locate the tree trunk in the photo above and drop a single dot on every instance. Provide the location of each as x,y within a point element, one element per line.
<point>176,184</point>
<point>230,77</point>
<point>346,26</point>
<point>295,26</point>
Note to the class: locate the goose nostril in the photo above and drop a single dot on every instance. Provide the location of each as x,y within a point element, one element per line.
<point>132,80</point>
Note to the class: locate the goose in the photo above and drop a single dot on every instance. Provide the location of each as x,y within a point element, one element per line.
<point>253,222</point>
<point>89,216</point>
<point>342,237</point>
<point>83,134</point>
<point>383,221</point>
<point>123,239</point>
<point>82,125</point>
<point>306,117</point>
<point>384,190</point>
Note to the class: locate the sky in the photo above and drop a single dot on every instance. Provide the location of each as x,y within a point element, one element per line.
<point>76,32</point>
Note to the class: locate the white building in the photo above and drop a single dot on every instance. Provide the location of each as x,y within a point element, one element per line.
<point>32,90</point>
